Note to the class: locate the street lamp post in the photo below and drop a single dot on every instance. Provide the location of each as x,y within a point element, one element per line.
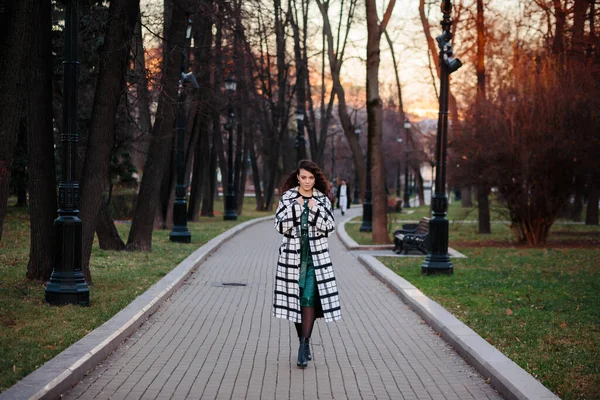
<point>398,140</point>
<point>300,146</point>
<point>367,221</point>
<point>398,180</point>
<point>406,200</point>
<point>438,260</point>
<point>67,284</point>
<point>180,232</point>
<point>356,199</point>
<point>333,157</point>
<point>230,198</point>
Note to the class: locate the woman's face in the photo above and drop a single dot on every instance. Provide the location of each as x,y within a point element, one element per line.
<point>306,179</point>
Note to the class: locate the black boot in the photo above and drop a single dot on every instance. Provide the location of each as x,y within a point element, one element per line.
<point>307,348</point>
<point>302,362</point>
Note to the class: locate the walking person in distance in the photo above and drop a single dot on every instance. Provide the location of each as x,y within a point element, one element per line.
<point>342,196</point>
<point>305,285</point>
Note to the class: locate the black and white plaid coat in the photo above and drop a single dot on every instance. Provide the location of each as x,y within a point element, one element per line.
<point>286,302</point>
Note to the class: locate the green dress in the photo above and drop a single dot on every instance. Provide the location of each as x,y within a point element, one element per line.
<point>307,281</point>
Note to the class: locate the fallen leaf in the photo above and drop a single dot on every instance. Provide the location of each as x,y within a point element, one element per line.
<point>509,311</point>
<point>563,325</point>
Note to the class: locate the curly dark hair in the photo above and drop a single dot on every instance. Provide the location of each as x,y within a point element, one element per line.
<point>321,182</point>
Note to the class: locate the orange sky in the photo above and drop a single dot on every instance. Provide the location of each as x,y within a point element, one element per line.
<point>411,52</point>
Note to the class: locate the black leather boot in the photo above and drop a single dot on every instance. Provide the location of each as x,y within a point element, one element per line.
<point>302,362</point>
<point>307,348</point>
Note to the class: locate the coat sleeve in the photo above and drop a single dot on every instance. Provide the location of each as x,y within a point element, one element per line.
<point>287,217</point>
<point>321,216</point>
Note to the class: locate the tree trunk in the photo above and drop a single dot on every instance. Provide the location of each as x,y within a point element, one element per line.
<point>255,174</point>
<point>483,203</point>
<point>210,189</point>
<point>203,38</point>
<point>558,46</point>
<point>16,31</point>
<point>483,209</point>
<point>111,82</point>
<point>201,158</point>
<point>40,147</point>
<point>141,136</point>
<point>375,120</point>
<point>397,76</point>
<point>420,188</point>
<point>466,197</point>
<point>335,62</point>
<point>244,176</point>
<point>140,235</point>
<point>300,74</point>
<point>577,208</point>
<point>108,236</point>
<point>19,169</point>
<point>591,217</point>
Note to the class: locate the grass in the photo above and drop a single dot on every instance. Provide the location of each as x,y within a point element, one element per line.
<point>540,307</point>
<point>463,228</point>
<point>33,332</point>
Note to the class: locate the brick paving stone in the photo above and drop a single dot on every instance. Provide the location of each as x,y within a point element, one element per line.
<point>209,341</point>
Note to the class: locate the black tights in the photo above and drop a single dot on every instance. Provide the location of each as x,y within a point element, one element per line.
<point>305,328</point>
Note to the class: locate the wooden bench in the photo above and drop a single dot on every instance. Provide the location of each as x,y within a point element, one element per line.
<point>412,236</point>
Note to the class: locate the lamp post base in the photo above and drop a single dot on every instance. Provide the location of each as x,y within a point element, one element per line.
<point>230,213</point>
<point>67,288</point>
<point>67,284</point>
<point>367,222</point>
<point>180,234</point>
<point>437,264</point>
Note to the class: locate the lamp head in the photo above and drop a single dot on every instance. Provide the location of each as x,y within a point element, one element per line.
<point>299,115</point>
<point>407,124</point>
<point>230,85</point>
<point>357,131</point>
<point>453,64</point>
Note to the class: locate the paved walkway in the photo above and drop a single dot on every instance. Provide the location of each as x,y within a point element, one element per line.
<point>215,341</point>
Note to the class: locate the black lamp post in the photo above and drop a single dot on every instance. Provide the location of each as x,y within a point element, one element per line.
<point>230,198</point>
<point>180,232</point>
<point>356,199</point>
<point>300,146</point>
<point>406,200</point>
<point>333,157</point>
<point>67,284</point>
<point>438,260</point>
<point>367,221</point>
<point>398,140</point>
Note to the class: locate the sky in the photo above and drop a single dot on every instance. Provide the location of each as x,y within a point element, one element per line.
<point>418,92</point>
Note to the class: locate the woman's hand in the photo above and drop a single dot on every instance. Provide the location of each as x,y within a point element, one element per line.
<point>312,203</point>
<point>300,201</point>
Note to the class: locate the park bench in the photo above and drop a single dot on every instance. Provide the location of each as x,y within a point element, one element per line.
<point>412,237</point>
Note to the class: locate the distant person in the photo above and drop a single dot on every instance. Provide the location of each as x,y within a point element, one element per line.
<point>342,196</point>
<point>305,285</point>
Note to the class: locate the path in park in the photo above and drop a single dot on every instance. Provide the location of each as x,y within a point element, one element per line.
<point>211,341</point>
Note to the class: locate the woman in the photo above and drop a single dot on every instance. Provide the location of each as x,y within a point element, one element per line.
<point>305,285</point>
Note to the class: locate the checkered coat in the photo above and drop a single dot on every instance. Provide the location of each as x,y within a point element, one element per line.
<point>286,302</point>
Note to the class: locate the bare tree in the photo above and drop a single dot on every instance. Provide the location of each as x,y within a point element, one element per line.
<point>482,186</point>
<point>111,83</point>
<point>374,115</point>
<point>40,147</point>
<point>16,31</point>
<point>140,235</point>
<point>335,53</point>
